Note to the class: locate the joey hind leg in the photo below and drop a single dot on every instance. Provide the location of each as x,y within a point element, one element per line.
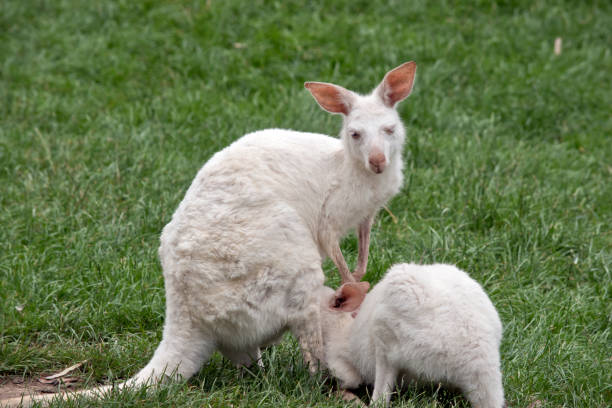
<point>384,381</point>
<point>484,390</point>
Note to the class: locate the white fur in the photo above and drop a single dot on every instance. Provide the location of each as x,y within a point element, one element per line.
<point>242,254</point>
<point>420,322</point>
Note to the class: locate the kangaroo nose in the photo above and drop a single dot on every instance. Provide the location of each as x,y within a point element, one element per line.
<point>377,162</point>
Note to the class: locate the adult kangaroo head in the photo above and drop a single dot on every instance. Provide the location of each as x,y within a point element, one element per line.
<point>372,131</point>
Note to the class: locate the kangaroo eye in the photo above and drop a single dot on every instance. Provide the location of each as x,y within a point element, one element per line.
<point>389,130</point>
<point>355,135</point>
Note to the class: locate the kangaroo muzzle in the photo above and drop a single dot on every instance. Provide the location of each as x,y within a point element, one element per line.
<point>377,161</point>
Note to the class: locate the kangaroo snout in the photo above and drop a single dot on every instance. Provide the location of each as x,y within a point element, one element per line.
<point>377,161</point>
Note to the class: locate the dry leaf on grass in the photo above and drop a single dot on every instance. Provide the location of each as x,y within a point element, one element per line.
<point>55,381</point>
<point>393,217</point>
<point>64,372</point>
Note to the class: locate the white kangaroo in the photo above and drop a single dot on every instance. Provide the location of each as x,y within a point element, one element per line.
<point>242,254</point>
<point>420,322</point>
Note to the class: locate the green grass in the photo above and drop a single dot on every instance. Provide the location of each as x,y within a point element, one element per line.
<point>108,109</point>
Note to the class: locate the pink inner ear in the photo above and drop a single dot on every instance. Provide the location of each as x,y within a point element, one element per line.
<point>331,97</point>
<point>350,296</point>
<point>397,84</point>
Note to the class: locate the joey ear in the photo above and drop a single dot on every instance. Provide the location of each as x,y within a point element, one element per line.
<point>397,84</point>
<point>332,98</point>
<point>349,296</point>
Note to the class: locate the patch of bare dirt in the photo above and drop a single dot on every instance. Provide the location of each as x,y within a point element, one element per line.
<point>16,386</point>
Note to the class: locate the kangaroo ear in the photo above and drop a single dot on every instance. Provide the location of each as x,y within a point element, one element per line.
<point>349,296</point>
<point>397,84</point>
<point>332,98</point>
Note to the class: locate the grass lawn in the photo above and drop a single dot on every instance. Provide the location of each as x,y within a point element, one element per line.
<point>109,108</point>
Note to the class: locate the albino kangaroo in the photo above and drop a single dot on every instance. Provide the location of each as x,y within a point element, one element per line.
<point>242,255</point>
<point>420,322</point>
